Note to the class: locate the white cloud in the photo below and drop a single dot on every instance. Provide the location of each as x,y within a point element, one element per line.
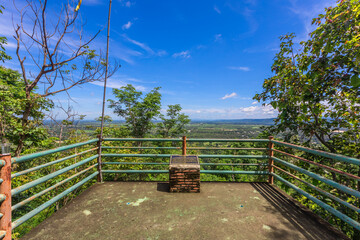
<point>217,9</point>
<point>231,95</point>
<point>10,45</point>
<point>118,83</point>
<point>245,69</point>
<point>126,3</point>
<point>127,25</point>
<point>218,37</point>
<point>306,14</point>
<point>183,54</point>
<point>144,46</point>
<point>266,111</point>
<point>254,103</point>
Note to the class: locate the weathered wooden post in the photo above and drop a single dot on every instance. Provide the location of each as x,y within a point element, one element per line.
<point>99,160</point>
<point>271,161</point>
<point>5,196</point>
<point>184,145</point>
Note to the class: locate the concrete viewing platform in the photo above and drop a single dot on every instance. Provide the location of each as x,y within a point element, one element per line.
<point>146,210</point>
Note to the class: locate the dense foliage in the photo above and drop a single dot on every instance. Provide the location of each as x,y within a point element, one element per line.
<point>13,100</point>
<point>138,111</point>
<point>316,90</point>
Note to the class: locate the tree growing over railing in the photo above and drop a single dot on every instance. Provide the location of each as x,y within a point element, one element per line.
<point>137,110</point>
<point>174,125</point>
<point>58,50</point>
<point>316,90</point>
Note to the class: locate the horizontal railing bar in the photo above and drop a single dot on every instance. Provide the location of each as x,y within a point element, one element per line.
<point>320,153</point>
<point>233,156</point>
<point>51,151</point>
<point>320,178</point>
<point>144,139</point>
<point>320,165</point>
<point>234,172</point>
<point>50,176</point>
<point>50,163</point>
<point>134,163</point>
<point>24,202</point>
<point>225,140</point>
<point>202,164</point>
<point>168,148</point>
<point>2,198</point>
<point>135,171</point>
<point>325,206</point>
<point>201,171</point>
<point>339,200</point>
<point>169,155</point>
<point>2,234</point>
<point>215,148</point>
<point>47,204</point>
<point>180,140</point>
<point>233,164</point>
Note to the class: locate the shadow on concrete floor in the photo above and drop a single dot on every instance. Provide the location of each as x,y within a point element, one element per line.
<point>294,213</point>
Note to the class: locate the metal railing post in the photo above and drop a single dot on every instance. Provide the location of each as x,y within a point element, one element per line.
<point>184,145</point>
<point>5,193</point>
<point>271,161</point>
<point>99,160</point>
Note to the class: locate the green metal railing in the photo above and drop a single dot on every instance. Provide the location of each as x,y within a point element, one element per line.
<point>77,164</point>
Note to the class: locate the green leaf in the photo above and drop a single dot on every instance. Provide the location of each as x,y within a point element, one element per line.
<point>355,81</point>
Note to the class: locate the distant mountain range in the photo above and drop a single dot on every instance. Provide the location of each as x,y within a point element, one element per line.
<point>265,121</point>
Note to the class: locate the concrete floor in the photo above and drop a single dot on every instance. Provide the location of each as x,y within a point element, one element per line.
<point>145,210</point>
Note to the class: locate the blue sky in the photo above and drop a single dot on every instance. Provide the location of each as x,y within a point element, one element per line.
<point>209,56</point>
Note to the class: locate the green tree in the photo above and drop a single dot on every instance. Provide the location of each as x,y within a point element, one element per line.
<point>3,41</point>
<point>316,90</point>
<point>13,102</point>
<point>138,111</point>
<point>107,119</point>
<point>174,125</point>
<point>60,52</point>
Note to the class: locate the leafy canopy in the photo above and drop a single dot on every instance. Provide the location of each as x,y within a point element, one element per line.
<point>316,90</point>
<point>174,125</point>
<point>13,102</point>
<point>138,110</point>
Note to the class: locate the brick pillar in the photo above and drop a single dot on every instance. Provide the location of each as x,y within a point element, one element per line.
<point>5,192</point>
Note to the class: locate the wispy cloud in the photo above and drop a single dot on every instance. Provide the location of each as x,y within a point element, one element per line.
<point>144,46</point>
<point>306,14</point>
<point>127,25</point>
<point>245,69</point>
<point>254,103</point>
<point>217,9</point>
<point>118,83</point>
<point>92,2</point>
<point>266,111</point>
<point>126,3</point>
<point>231,95</point>
<point>218,37</point>
<point>247,10</point>
<point>183,54</point>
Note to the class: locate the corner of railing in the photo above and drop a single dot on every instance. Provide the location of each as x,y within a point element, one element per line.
<point>271,161</point>
<point>5,197</point>
<point>99,160</point>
